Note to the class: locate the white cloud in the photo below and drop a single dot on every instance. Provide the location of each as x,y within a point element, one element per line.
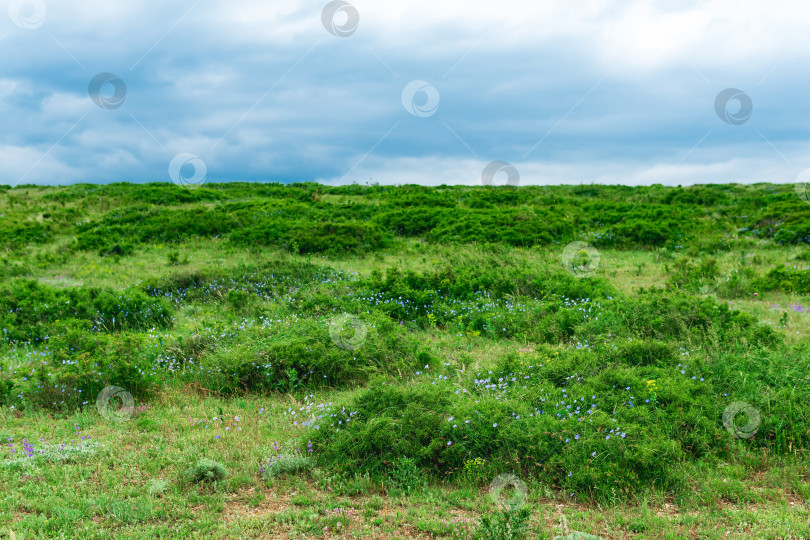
<point>60,105</point>
<point>9,88</point>
<point>757,165</point>
<point>519,70</point>
<point>28,165</point>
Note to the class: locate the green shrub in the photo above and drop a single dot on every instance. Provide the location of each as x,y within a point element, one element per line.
<point>337,238</point>
<point>600,422</point>
<point>238,298</point>
<point>405,475</point>
<point>157,487</point>
<point>271,280</point>
<point>737,284</point>
<point>786,279</point>
<point>693,276</point>
<point>286,464</point>
<point>655,314</point>
<point>30,309</point>
<point>504,525</point>
<point>83,363</point>
<point>144,224</point>
<point>296,218</point>
<point>17,234</point>
<point>303,354</point>
<point>205,470</point>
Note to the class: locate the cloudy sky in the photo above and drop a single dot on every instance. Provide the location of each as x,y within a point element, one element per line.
<point>419,91</point>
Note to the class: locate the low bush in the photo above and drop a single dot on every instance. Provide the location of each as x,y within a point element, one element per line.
<point>286,464</point>
<point>786,279</point>
<point>303,354</point>
<point>205,470</point>
<point>512,524</point>
<point>30,309</point>
<point>692,276</point>
<point>600,422</point>
<point>335,238</point>
<point>82,363</point>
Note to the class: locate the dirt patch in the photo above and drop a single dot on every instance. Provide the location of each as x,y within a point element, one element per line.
<point>273,503</point>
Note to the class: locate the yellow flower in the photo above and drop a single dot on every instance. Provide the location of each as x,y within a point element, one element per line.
<point>472,464</point>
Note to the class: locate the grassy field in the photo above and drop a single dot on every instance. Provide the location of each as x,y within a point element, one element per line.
<point>369,362</point>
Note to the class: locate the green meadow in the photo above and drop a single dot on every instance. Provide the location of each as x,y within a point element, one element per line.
<point>303,361</point>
